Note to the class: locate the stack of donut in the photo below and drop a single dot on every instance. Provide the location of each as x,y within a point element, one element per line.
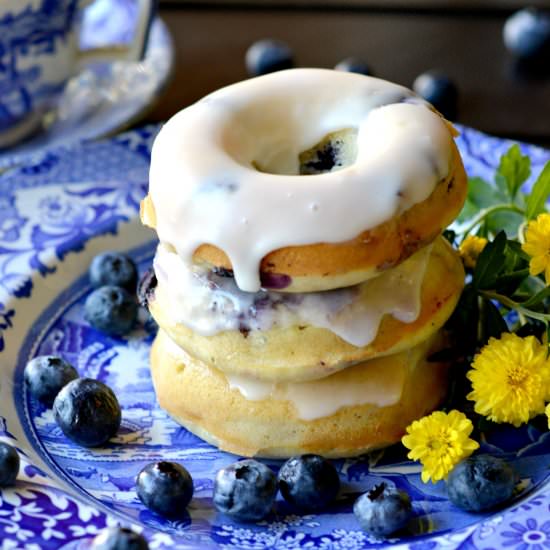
<point>301,282</point>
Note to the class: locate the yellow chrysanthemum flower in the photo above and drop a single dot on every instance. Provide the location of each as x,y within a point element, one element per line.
<point>537,245</point>
<point>547,411</point>
<point>470,249</point>
<point>510,379</point>
<point>439,441</point>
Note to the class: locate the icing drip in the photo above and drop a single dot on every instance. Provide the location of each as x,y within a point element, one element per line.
<point>205,189</point>
<point>209,303</point>
<point>320,398</point>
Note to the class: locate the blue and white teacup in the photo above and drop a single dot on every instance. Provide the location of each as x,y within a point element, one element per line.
<point>39,52</point>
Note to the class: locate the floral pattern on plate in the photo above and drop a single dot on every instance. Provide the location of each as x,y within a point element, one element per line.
<point>60,211</point>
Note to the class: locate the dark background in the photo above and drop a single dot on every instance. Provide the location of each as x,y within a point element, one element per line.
<point>398,39</point>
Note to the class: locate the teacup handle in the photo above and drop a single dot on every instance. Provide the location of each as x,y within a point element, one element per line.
<point>131,52</point>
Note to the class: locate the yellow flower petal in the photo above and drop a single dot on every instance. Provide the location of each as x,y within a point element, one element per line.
<point>510,379</point>
<point>439,441</point>
<point>470,249</point>
<point>537,245</point>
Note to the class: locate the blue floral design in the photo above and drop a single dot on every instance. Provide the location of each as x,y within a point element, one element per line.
<point>20,84</point>
<point>530,536</point>
<point>6,316</point>
<point>66,226</point>
<point>11,221</point>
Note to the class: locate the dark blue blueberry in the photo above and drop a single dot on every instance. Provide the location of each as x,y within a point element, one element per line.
<point>113,268</point>
<point>9,465</point>
<point>268,56</point>
<point>45,375</point>
<point>119,538</point>
<point>111,309</point>
<point>308,482</point>
<point>527,34</point>
<point>87,411</point>
<point>440,91</point>
<point>245,490</point>
<point>383,510</point>
<point>354,65</point>
<point>166,488</point>
<point>481,482</point>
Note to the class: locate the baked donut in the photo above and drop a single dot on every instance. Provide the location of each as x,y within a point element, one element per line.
<point>361,408</point>
<point>304,180</point>
<point>294,337</point>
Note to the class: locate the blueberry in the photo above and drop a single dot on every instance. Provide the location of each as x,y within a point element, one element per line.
<point>113,268</point>
<point>9,465</point>
<point>245,490</point>
<point>165,488</point>
<point>268,56</point>
<point>146,287</point>
<point>308,482</point>
<point>111,309</point>
<point>480,482</point>
<point>45,375</point>
<point>383,510</point>
<point>354,65</point>
<point>87,412</point>
<point>119,538</point>
<point>527,34</point>
<point>439,90</point>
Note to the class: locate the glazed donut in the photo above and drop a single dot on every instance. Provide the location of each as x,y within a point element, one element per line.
<point>353,411</point>
<point>304,180</point>
<point>286,337</point>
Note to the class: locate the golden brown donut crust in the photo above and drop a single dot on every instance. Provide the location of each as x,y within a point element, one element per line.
<point>306,352</point>
<point>324,266</point>
<point>199,398</point>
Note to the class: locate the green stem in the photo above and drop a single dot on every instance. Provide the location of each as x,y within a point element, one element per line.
<point>487,212</point>
<point>509,303</point>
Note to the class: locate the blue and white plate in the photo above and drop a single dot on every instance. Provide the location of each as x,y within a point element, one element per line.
<point>55,214</point>
<point>106,96</point>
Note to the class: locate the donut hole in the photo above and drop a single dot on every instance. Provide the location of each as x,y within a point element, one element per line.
<point>334,152</point>
<point>307,138</point>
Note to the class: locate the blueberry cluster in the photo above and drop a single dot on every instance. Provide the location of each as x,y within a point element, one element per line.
<point>246,490</point>
<point>526,34</point>
<point>86,410</point>
<point>112,307</point>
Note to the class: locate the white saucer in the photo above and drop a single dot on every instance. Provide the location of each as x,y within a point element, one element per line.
<point>105,97</point>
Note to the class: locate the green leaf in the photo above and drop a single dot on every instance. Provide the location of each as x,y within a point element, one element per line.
<point>469,210</point>
<point>483,194</point>
<point>537,298</point>
<point>490,262</point>
<point>464,320</point>
<point>502,184</point>
<point>515,246</point>
<point>509,222</point>
<point>536,201</point>
<point>493,322</point>
<point>509,282</point>
<point>514,168</point>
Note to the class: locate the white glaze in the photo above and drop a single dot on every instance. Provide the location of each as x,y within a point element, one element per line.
<point>320,398</point>
<point>205,190</point>
<point>210,304</point>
